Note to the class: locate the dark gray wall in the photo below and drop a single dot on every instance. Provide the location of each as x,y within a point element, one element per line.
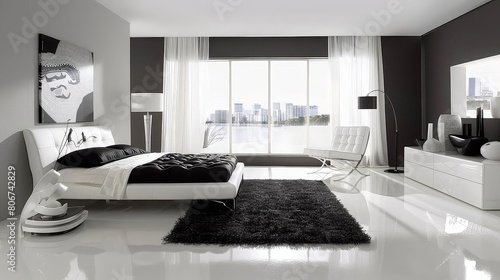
<point>106,34</point>
<point>146,75</point>
<point>472,36</point>
<point>402,83</point>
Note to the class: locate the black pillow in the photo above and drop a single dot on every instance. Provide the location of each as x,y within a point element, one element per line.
<point>92,157</point>
<point>129,150</point>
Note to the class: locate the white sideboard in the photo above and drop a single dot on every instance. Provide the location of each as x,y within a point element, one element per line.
<point>474,180</point>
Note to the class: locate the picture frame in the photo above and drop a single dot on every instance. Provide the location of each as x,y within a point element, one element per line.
<point>65,82</point>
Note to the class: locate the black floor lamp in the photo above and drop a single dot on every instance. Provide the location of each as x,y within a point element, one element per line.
<point>370,102</point>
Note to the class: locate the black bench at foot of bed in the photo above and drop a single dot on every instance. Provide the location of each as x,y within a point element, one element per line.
<point>185,168</point>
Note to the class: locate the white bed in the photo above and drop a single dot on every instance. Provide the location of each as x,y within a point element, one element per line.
<point>43,144</point>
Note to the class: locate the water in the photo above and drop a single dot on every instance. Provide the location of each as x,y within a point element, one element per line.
<point>254,139</point>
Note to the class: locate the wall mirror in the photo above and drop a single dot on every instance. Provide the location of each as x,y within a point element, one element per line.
<point>476,84</point>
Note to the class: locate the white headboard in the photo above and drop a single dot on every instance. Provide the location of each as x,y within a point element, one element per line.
<point>42,145</point>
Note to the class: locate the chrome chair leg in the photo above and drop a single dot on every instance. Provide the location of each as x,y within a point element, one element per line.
<point>353,168</point>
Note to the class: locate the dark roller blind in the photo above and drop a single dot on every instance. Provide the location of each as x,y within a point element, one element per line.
<point>225,47</point>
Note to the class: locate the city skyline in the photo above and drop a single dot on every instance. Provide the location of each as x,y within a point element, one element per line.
<point>255,113</point>
<point>478,88</point>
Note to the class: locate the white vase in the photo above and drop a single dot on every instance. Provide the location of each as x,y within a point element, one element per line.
<point>495,106</point>
<point>441,135</point>
<point>432,145</point>
<point>452,124</point>
<point>491,150</point>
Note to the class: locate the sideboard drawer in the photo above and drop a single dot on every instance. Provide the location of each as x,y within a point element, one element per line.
<point>466,169</point>
<point>419,173</point>
<point>462,189</point>
<point>419,156</point>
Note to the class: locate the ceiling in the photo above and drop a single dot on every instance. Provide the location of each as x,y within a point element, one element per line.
<point>162,18</point>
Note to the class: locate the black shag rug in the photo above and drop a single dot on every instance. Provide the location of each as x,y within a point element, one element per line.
<point>271,212</point>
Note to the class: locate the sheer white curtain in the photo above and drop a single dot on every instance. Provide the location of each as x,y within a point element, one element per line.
<point>356,69</point>
<point>185,85</point>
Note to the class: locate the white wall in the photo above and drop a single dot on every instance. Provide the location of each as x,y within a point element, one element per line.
<point>83,23</point>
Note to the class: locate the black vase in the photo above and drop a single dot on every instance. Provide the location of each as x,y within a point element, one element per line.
<point>479,122</point>
<point>467,129</point>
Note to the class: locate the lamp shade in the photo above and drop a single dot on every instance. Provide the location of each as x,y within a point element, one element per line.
<point>367,102</point>
<point>146,102</point>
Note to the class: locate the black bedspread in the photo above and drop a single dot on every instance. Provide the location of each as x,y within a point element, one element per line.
<point>185,168</point>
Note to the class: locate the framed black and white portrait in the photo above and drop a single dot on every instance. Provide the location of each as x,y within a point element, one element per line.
<point>65,81</point>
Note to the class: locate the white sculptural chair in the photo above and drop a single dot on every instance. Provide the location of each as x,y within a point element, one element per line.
<point>348,146</point>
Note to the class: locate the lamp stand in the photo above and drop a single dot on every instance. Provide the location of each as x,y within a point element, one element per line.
<point>148,120</point>
<point>366,102</point>
<point>395,169</point>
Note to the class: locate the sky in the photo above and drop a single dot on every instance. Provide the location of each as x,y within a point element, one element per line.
<point>250,84</point>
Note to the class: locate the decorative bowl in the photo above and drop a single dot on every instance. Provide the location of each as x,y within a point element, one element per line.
<point>467,145</point>
<point>491,150</point>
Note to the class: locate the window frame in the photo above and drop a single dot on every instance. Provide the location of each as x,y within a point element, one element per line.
<point>269,152</point>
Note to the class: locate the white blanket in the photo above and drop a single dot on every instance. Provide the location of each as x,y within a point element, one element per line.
<point>112,178</point>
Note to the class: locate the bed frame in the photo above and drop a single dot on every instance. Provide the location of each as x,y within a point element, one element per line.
<point>43,144</point>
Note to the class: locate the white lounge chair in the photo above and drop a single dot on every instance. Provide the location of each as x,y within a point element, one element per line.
<point>348,145</point>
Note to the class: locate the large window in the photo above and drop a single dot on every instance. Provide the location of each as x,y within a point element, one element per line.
<point>271,106</point>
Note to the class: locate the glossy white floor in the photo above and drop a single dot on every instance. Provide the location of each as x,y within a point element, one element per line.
<point>417,233</point>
